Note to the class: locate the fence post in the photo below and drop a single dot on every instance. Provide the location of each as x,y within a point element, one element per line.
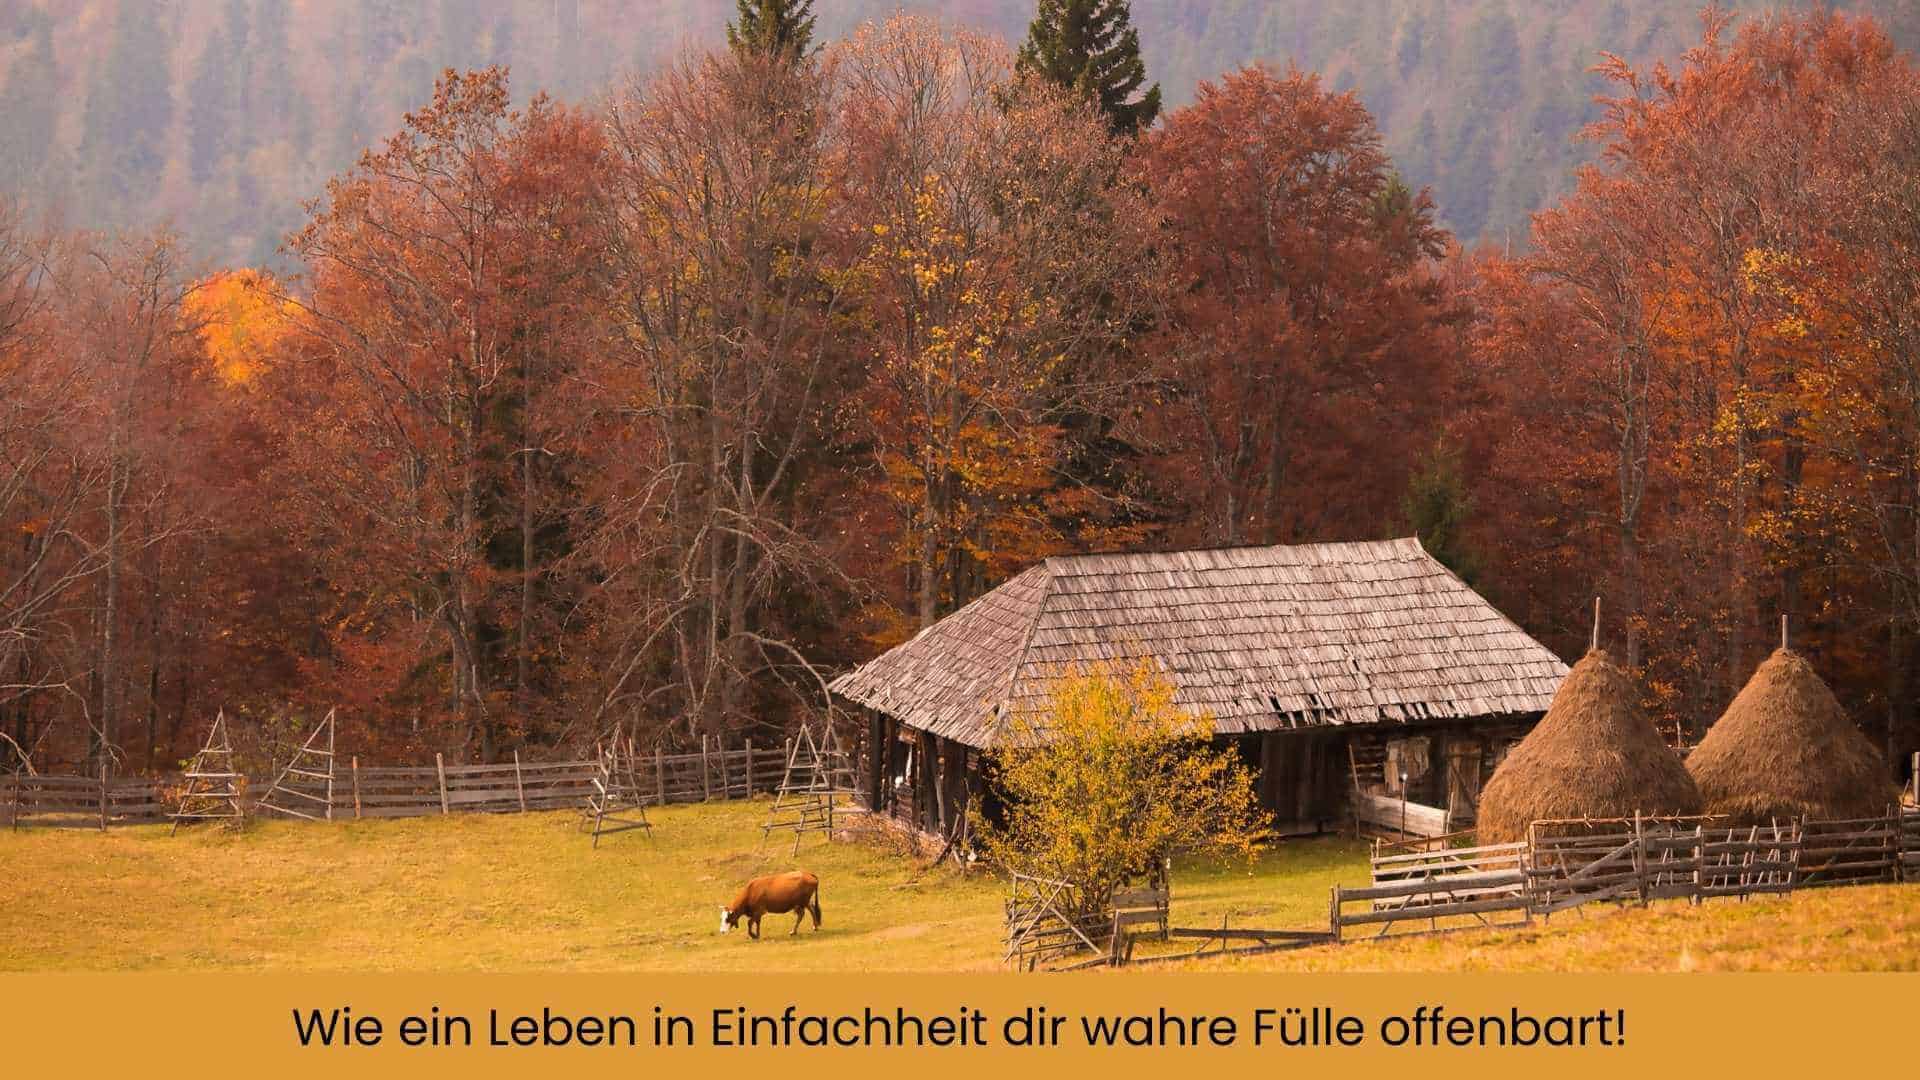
<point>440,768</point>
<point>749,768</point>
<point>1700,863</point>
<point>103,794</point>
<point>1640,857</point>
<point>706,773</point>
<point>660,773</point>
<point>354,763</point>
<point>13,801</point>
<point>1333,915</point>
<point>1893,842</point>
<point>519,786</point>
<point>726,774</point>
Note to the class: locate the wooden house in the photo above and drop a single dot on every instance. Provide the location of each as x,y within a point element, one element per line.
<point>1361,680</point>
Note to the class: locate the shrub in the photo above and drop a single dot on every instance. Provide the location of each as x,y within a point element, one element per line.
<point>1109,776</point>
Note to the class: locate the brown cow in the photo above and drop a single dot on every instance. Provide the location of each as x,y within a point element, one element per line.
<point>796,891</point>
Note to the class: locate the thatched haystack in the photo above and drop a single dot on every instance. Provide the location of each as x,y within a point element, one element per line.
<point>1785,748</point>
<point>1595,754</point>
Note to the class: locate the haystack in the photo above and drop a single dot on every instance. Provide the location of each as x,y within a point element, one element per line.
<point>1594,755</point>
<point>1785,748</point>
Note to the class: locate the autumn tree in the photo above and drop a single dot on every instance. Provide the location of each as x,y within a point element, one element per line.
<point>1110,776</point>
<point>1089,47</point>
<point>47,481</point>
<point>1305,335</point>
<point>992,247</point>
<point>123,309</point>
<point>1677,354</point>
<point>727,284</point>
<point>444,270</point>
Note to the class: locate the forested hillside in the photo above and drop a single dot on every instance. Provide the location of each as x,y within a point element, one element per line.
<point>223,115</point>
<point>655,408</point>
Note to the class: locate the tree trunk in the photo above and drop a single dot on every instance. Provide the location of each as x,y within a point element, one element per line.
<point>110,601</point>
<point>523,671</point>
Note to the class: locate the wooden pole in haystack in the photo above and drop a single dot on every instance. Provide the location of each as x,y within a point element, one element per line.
<point>1594,642</point>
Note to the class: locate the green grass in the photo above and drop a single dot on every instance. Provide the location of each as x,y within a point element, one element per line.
<point>527,892</point>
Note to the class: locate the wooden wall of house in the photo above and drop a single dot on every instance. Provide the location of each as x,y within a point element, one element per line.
<point>1302,777</point>
<point>916,777</point>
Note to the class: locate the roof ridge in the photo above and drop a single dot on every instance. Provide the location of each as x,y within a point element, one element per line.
<point>1026,641</point>
<point>1315,544</point>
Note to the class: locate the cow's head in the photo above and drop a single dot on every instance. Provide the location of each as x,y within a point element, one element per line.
<point>728,919</point>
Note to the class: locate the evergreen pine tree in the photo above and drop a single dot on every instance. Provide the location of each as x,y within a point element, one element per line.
<point>784,27</point>
<point>1439,507</point>
<point>218,85</point>
<point>129,108</point>
<point>1090,46</point>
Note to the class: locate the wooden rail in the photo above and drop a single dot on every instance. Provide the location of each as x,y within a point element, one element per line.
<point>86,802</point>
<point>1422,888</point>
<point>395,791</point>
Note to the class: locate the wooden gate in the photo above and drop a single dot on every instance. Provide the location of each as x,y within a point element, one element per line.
<point>1041,927</point>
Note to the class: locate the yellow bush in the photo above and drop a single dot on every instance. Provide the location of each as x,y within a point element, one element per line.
<point>1111,775</point>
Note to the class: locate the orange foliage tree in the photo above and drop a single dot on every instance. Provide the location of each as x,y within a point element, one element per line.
<point>1304,343</point>
<point>999,263</point>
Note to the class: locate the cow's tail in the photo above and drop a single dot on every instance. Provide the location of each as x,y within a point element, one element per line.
<point>814,906</point>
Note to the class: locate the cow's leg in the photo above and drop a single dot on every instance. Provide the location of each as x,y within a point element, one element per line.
<point>799,916</point>
<point>753,927</point>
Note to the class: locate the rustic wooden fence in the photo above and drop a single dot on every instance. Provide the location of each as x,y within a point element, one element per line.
<point>1042,925</point>
<point>1428,888</point>
<point>395,791</point>
<point>98,802</point>
<point>1415,886</point>
<point>388,791</point>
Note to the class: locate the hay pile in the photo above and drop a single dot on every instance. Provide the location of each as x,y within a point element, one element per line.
<point>1784,748</point>
<point>1594,754</point>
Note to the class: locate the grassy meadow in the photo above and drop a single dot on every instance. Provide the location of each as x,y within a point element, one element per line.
<point>528,893</point>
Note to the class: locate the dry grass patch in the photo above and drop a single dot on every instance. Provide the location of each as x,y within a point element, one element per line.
<point>528,893</point>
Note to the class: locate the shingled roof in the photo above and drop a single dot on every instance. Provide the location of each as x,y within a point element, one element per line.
<point>1263,638</point>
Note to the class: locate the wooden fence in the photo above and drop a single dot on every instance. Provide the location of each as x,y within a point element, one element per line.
<point>1043,925</point>
<point>1415,886</point>
<point>82,802</point>
<point>1427,887</point>
<point>387,791</point>
<point>394,791</point>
